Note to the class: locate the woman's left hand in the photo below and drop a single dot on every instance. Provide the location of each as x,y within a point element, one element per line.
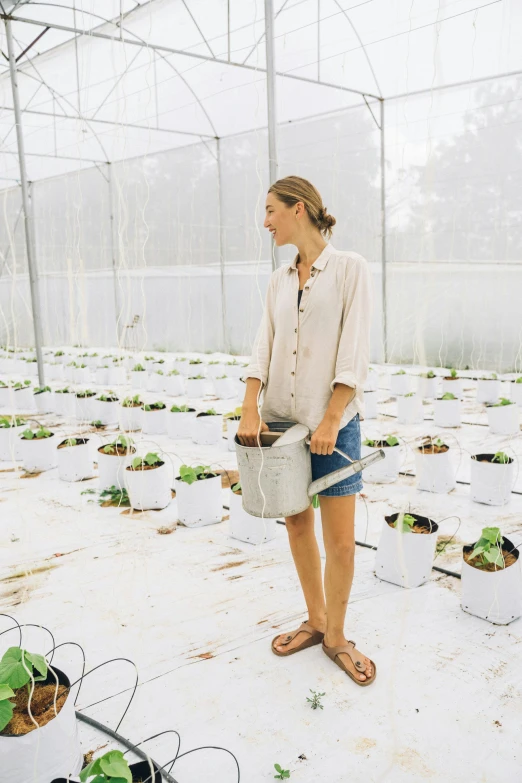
<point>324,438</point>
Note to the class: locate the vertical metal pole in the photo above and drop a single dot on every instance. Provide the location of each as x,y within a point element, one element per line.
<point>26,206</point>
<point>113,254</point>
<point>271,106</point>
<point>222,242</point>
<point>383,240</point>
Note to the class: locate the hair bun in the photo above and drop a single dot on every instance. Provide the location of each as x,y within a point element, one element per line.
<point>327,221</point>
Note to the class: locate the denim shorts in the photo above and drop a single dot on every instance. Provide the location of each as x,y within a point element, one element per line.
<point>349,441</point>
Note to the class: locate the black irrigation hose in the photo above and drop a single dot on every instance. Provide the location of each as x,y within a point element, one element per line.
<point>128,744</point>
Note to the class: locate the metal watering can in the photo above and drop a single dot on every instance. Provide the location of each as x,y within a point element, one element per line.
<point>276,478</point>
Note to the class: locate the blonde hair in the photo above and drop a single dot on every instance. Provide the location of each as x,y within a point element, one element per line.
<point>292,189</point>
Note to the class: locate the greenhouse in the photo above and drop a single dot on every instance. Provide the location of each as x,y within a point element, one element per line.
<point>260,264</point>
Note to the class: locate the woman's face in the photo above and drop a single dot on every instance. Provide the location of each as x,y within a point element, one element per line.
<point>282,221</point>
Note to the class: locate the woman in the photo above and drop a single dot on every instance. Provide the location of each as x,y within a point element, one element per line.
<point>310,358</point>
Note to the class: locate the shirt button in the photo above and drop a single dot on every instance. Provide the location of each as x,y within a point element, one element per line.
<point>300,309</point>
<point>291,394</point>
<point>295,352</point>
<point>292,373</point>
<point>295,330</point>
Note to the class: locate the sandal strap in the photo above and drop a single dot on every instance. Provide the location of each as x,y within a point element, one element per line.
<point>302,627</point>
<point>333,652</point>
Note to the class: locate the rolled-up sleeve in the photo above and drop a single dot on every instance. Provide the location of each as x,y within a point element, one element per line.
<point>262,348</point>
<point>353,353</point>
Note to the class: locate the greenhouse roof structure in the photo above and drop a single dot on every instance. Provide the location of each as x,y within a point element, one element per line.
<point>106,80</point>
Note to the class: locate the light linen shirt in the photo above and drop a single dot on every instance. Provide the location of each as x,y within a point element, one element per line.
<point>300,354</point>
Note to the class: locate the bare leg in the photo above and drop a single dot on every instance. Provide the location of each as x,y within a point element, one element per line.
<point>305,552</point>
<point>338,515</point>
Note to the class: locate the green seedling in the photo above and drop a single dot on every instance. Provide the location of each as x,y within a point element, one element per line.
<point>149,358</point>
<point>519,379</point>
<point>399,372</point>
<point>154,406</point>
<point>151,459</point>
<point>189,475</point>
<point>58,353</point>
<point>210,412</point>
<point>503,401</point>
<point>235,361</point>
<point>180,409</point>
<point>196,377</point>
<point>17,669</point>
<point>107,397</point>
<point>159,361</point>
<point>407,523</point>
<point>112,767</point>
<point>158,372</point>
<point>389,440</point>
<point>132,402</point>
<point>138,368</point>
<point>98,424</point>
<point>237,487</point>
<point>182,359</point>
<point>315,701</point>
<point>173,372</point>
<point>448,396</point>
<point>41,432</point>
<point>41,389</point>
<point>195,361</point>
<point>221,377</point>
<point>85,393</point>
<point>71,442</point>
<point>501,457</point>
<point>489,547</point>
<point>7,422</point>
<point>65,390</point>
<point>122,442</point>
<point>453,372</point>
<point>410,394</point>
<point>114,495</point>
<point>235,414</point>
<point>281,773</point>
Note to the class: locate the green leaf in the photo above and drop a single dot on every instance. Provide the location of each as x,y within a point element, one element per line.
<point>277,767</point>
<point>5,692</point>
<point>315,501</point>
<point>38,662</point>
<point>12,671</point>
<point>91,769</point>
<point>6,713</point>
<point>113,764</point>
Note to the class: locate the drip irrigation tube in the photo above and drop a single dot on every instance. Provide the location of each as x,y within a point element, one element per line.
<point>128,744</point>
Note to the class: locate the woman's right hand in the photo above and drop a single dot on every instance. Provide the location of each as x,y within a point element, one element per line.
<point>247,432</point>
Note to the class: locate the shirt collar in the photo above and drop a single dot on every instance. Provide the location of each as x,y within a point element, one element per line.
<point>320,262</point>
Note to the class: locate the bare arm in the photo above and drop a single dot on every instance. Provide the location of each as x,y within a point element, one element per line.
<point>251,423</point>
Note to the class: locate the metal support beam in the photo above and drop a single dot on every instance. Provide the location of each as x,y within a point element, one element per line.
<point>383,240</point>
<point>113,253</point>
<point>271,107</point>
<point>222,245</point>
<point>26,204</point>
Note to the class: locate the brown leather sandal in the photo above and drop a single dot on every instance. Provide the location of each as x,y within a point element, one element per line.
<point>355,655</point>
<point>315,637</point>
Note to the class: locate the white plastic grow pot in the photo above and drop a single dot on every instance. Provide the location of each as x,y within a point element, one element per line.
<point>427,387</point>
<point>139,771</point>
<point>224,388</point>
<point>372,381</point>
<point>117,376</point>
<point>149,489</point>
<point>48,752</point>
<point>434,472</point>
<point>106,412</point>
<point>111,468</point>
<point>233,370</point>
<point>82,375</point>
<point>215,370</point>
<point>65,404</point>
<point>515,393</point>
<point>244,527</point>
<point>102,376</point>
<point>488,390</point>
<point>75,462</point>
<point>6,397</point>
<point>58,373</point>
<point>38,453</point>
<point>503,419</point>
<point>370,404</point>
<point>199,503</point>
<point>154,422</point>
<point>155,382</point>
<point>195,388</point>
<point>130,418</point>
<point>10,442</point>
<point>138,379</point>
<point>453,386</point>
<point>446,413</point>
<point>406,559</point>
<point>409,409</point>
<point>495,596</point>
<point>400,384</point>
<point>232,426</point>
<point>44,402</point>
<point>491,482</point>
<point>185,369</point>
<point>174,385</point>
<point>23,399</point>
<point>180,425</point>
<point>85,408</point>
<point>207,430</point>
<point>386,470</point>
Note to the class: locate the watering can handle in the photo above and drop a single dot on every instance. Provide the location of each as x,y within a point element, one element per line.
<point>355,466</point>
